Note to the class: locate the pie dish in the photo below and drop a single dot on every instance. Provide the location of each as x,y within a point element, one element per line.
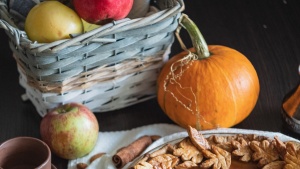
<point>227,148</point>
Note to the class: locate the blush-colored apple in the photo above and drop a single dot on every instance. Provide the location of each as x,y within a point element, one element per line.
<point>71,130</point>
<point>102,11</point>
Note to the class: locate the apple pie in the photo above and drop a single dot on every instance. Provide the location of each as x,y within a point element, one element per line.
<point>246,151</point>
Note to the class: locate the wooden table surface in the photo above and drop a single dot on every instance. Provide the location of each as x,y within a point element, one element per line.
<point>266,31</point>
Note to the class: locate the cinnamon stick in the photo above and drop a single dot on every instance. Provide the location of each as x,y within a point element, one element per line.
<point>130,152</point>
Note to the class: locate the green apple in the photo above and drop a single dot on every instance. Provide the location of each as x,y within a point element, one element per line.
<point>71,130</point>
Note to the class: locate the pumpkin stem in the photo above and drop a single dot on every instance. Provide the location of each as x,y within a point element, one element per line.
<point>197,38</point>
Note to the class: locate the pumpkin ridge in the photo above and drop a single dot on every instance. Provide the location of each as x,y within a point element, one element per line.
<point>252,83</point>
<point>164,105</point>
<point>228,81</point>
<point>249,73</point>
<point>244,66</point>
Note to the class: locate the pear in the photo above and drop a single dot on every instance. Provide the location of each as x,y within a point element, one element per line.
<point>50,21</point>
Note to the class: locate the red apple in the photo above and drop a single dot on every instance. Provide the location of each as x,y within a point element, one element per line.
<point>71,130</point>
<point>102,11</point>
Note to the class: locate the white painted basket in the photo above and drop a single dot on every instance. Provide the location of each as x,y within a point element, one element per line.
<point>108,68</point>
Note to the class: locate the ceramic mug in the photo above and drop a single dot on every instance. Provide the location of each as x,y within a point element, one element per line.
<point>25,153</point>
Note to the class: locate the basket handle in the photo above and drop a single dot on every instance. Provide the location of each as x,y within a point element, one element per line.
<point>13,31</point>
<point>5,25</point>
<point>8,25</point>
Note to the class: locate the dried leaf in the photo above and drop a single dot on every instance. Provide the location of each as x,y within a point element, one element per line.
<point>143,165</point>
<point>253,137</point>
<point>295,144</point>
<point>292,157</point>
<point>188,152</point>
<point>264,152</point>
<point>223,142</point>
<point>243,150</point>
<point>164,150</point>
<point>186,164</point>
<point>164,161</point>
<point>280,146</point>
<point>217,158</point>
<point>198,139</point>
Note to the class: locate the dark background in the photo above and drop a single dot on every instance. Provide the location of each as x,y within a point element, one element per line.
<point>266,31</point>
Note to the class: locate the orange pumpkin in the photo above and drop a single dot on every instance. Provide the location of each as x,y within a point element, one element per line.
<point>217,87</point>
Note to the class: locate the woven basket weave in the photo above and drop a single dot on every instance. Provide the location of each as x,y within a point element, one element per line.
<point>108,68</point>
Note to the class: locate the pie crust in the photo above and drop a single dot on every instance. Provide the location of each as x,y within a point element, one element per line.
<point>246,151</point>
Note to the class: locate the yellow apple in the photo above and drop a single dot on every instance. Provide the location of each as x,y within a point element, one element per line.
<point>50,21</point>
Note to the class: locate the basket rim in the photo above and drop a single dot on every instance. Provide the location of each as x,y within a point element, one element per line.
<point>21,39</point>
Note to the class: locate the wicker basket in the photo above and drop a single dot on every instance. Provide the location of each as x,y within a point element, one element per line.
<point>108,68</point>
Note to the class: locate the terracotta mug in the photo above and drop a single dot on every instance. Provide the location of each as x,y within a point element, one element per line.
<point>25,153</point>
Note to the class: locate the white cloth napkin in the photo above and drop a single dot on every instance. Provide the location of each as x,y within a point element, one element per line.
<point>110,142</point>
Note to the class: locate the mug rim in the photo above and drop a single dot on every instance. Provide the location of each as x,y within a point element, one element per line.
<point>47,160</point>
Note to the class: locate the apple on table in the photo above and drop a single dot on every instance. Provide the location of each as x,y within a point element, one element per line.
<point>70,130</point>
